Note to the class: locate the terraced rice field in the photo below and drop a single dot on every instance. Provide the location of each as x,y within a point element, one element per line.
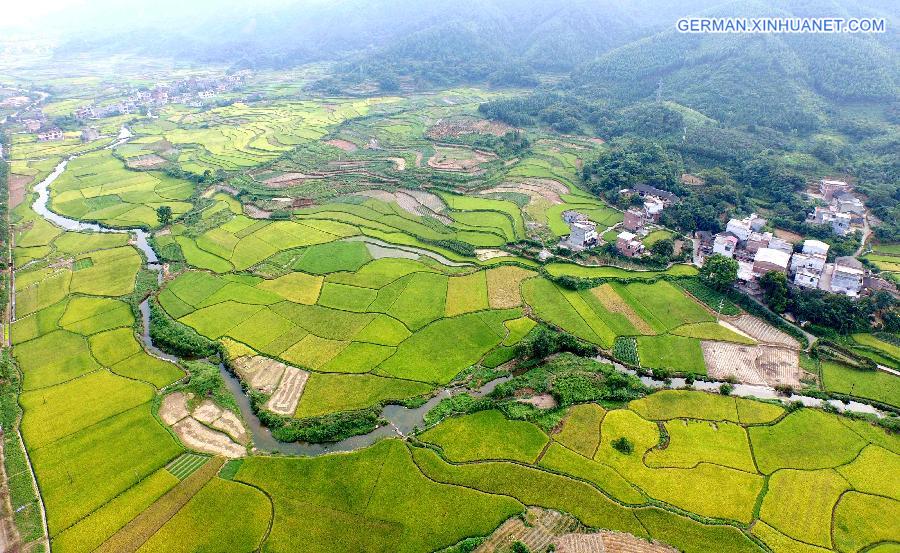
<point>318,325</point>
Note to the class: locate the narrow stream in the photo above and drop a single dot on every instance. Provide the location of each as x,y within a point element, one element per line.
<point>747,390</point>
<point>41,206</point>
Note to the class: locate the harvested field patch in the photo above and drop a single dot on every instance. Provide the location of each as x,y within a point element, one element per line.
<point>146,161</point>
<point>200,438</point>
<point>608,541</point>
<point>17,185</point>
<point>221,419</point>
<point>290,388</point>
<point>764,332</point>
<point>503,286</point>
<point>344,145</point>
<point>260,373</point>
<point>752,364</point>
<point>459,159</point>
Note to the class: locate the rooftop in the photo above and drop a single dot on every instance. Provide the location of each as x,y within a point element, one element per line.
<point>776,257</point>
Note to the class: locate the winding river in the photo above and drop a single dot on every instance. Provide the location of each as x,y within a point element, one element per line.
<point>400,420</point>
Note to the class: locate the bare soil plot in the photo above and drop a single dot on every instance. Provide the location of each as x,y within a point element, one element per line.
<point>202,438</point>
<point>540,401</point>
<point>345,145</point>
<point>536,189</point>
<point>399,163</point>
<point>174,408</point>
<point>146,161</point>
<point>457,127</point>
<point>287,395</point>
<point>763,332</point>
<point>288,180</point>
<point>459,159</point>
<point>221,419</point>
<point>752,364</point>
<point>608,542</point>
<point>489,253</point>
<point>543,526</point>
<point>415,202</point>
<point>261,373</point>
<point>787,235</point>
<point>188,426</point>
<point>17,184</point>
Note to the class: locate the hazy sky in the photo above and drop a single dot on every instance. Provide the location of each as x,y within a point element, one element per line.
<point>60,13</point>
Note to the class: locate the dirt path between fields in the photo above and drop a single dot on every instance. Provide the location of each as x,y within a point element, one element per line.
<point>9,537</point>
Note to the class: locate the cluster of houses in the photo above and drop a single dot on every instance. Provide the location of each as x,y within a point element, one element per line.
<point>843,209</point>
<point>583,232</point>
<point>191,91</point>
<point>758,253</point>
<point>810,270</point>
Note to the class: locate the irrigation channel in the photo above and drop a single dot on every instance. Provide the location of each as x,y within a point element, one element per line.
<point>400,420</point>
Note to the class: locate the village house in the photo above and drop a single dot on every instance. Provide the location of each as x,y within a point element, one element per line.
<point>847,277</point>
<point>634,220</point>
<point>583,234</point>
<point>725,244</point>
<point>839,222</point>
<point>653,207</point>
<point>845,202</point>
<point>645,190</point>
<point>743,227</point>
<point>627,245</point>
<point>806,278</point>
<point>49,135</point>
<point>828,188</point>
<point>767,259</point>
<point>85,112</point>
<point>781,245</point>
<point>570,216</point>
<point>757,240</point>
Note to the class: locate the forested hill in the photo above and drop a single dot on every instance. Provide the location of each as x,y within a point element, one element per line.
<point>781,81</point>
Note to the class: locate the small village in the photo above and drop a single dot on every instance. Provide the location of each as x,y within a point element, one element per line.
<point>192,92</point>
<point>757,250</point>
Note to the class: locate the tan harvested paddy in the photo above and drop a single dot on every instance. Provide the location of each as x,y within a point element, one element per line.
<point>503,286</point>
<point>614,303</point>
<point>287,395</point>
<point>760,364</point>
<point>763,332</point>
<point>261,373</point>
